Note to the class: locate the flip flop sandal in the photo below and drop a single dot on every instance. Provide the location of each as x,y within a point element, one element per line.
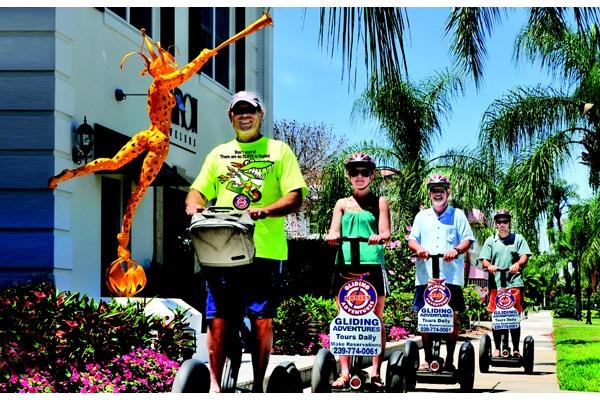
<point>342,382</point>
<point>496,354</point>
<point>377,382</point>
<point>516,354</point>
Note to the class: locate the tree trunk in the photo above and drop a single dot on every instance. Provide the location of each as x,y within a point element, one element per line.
<point>588,318</point>
<point>567,275</point>
<point>578,301</point>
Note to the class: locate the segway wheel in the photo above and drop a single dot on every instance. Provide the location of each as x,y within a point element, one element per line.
<point>485,354</point>
<point>230,374</point>
<point>192,377</point>
<point>411,350</point>
<point>285,378</point>
<point>395,376</point>
<point>466,367</point>
<point>528,346</point>
<point>324,372</point>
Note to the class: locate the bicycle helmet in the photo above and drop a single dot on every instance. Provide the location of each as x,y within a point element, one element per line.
<point>438,180</point>
<point>360,159</point>
<point>502,213</point>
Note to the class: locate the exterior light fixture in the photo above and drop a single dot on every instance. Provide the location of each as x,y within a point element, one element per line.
<point>84,143</point>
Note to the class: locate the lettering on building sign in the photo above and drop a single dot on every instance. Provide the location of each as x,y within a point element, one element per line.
<point>184,124</point>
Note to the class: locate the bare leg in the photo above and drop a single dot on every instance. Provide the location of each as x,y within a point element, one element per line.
<point>451,341</point>
<point>427,343</point>
<point>516,338</point>
<point>376,368</point>
<point>216,354</point>
<point>132,149</point>
<point>262,336</point>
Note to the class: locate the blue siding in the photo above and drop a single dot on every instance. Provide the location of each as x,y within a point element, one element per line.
<point>27,91</point>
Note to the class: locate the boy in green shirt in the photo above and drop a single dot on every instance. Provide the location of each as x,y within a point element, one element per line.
<point>262,177</point>
<point>506,251</point>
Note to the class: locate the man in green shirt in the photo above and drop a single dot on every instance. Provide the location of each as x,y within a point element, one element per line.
<point>262,177</point>
<point>505,251</point>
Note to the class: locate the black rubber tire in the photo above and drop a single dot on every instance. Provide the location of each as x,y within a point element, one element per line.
<point>324,372</point>
<point>528,350</point>
<point>395,376</point>
<point>466,366</point>
<point>192,377</point>
<point>285,378</point>
<point>233,360</point>
<point>411,349</point>
<point>356,363</point>
<point>485,353</point>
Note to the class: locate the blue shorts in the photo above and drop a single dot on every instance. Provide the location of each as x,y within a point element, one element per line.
<point>252,291</point>
<point>457,300</point>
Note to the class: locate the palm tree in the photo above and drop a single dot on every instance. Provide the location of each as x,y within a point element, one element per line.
<point>539,129</point>
<point>583,235</point>
<point>381,31</point>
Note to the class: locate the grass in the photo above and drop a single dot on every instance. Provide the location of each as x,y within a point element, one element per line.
<point>578,354</point>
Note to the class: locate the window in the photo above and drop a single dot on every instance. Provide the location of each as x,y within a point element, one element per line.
<point>209,27</point>
<point>167,29</point>
<point>140,17</point>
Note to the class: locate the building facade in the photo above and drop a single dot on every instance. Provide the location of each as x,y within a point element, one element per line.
<point>59,67</point>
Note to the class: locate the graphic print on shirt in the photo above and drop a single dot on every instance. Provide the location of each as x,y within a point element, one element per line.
<point>246,179</point>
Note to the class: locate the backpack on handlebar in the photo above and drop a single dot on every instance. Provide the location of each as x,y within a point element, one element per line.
<point>223,237</point>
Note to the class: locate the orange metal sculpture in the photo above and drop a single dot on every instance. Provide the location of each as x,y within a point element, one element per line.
<point>125,277</point>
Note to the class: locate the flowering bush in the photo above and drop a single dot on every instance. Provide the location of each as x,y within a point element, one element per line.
<point>397,333</point>
<point>141,370</point>
<point>400,264</point>
<point>324,340</point>
<point>64,342</point>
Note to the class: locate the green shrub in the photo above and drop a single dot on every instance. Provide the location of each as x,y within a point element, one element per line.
<point>298,323</point>
<point>59,332</point>
<point>564,306</point>
<point>398,311</point>
<point>475,308</point>
<point>400,265</point>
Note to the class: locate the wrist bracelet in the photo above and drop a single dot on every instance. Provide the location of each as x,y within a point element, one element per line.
<point>457,250</point>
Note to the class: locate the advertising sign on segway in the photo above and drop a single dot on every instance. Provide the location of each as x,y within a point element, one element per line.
<point>505,316</point>
<point>356,330</point>
<point>436,316</point>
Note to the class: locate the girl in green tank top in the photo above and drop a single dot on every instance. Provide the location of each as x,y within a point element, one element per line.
<point>363,215</point>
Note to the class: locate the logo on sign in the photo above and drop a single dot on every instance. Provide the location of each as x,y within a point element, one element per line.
<point>505,300</point>
<point>437,295</point>
<point>357,297</point>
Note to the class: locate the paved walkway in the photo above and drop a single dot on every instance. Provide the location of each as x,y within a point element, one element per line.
<point>499,379</point>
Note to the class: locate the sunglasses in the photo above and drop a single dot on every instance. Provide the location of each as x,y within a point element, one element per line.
<point>502,221</point>
<point>362,172</point>
<point>438,190</point>
<point>244,110</point>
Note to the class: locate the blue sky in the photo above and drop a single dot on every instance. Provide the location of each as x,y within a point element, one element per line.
<point>308,82</point>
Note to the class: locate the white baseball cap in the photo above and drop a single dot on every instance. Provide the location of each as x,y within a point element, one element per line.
<point>249,97</point>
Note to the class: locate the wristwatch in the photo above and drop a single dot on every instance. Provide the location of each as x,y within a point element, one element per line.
<point>457,250</point>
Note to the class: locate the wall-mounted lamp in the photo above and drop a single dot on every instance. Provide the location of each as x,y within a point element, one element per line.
<point>120,95</point>
<point>84,142</point>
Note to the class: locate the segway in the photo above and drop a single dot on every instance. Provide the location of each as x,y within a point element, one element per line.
<point>505,316</point>
<point>223,238</point>
<point>436,317</point>
<point>356,332</point>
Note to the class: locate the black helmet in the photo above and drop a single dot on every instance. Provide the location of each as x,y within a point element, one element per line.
<point>502,213</point>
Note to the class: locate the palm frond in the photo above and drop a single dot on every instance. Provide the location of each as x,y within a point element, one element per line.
<point>524,115</point>
<point>470,27</point>
<point>381,31</point>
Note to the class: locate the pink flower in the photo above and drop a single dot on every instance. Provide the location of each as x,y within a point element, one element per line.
<point>408,228</point>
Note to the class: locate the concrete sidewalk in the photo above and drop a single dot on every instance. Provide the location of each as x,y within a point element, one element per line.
<point>499,379</point>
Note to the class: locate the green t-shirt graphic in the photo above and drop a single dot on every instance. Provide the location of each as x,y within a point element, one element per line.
<point>253,175</point>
